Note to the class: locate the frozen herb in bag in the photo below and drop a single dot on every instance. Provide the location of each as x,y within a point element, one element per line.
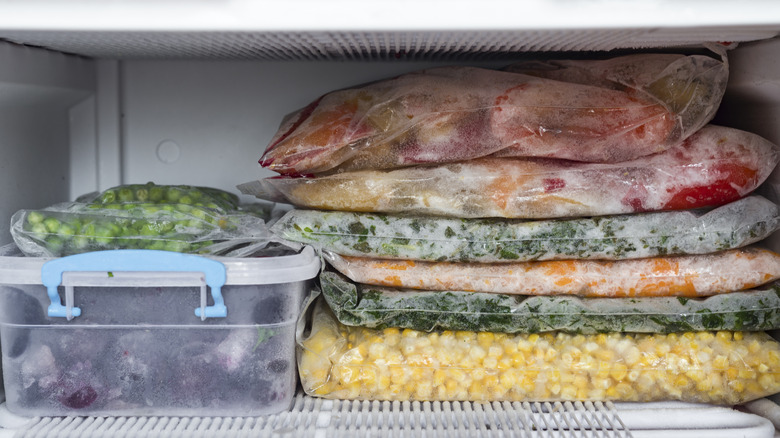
<point>714,166</point>
<point>416,237</point>
<point>724,367</point>
<point>686,276</point>
<point>453,113</point>
<point>382,307</point>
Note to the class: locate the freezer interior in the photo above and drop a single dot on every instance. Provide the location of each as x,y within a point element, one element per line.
<point>96,96</point>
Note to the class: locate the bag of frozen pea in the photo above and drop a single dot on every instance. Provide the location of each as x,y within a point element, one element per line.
<point>172,218</point>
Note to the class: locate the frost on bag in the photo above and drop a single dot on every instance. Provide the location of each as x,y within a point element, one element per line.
<point>725,367</point>
<point>685,276</point>
<point>381,307</point>
<point>451,114</point>
<point>416,237</point>
<point>690,87</point>
<point>714,166</point>
<point>74,228</point>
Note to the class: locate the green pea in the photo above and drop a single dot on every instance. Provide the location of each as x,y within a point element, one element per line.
<point>156,193</point>
<point>39,230</point>
<point>155,244</point>
<point>185,200</point>
<point>149,229</point>
<point>125,195</point>
<point>173,194</point>
<point>67,230</point>
<point>52,224</point>
<point>108,197</point>
<point>142,194</point>
<point>175,245</point>
<point>88,230</point>
<point>34,217</point>
<point>80,242</point>
<point>55,244</point>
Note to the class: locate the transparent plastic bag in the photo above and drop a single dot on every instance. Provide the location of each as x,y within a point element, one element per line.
<point>342,362</point>
<point>454,113</point>
<point>73,228</point>
<point>685,276</point>
<point>714,166</point>
<point>416,237</point>
<point>363,305</point>
<point>151,193</point>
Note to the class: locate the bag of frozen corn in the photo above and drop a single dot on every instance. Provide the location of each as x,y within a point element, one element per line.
<point>363,305</point>
<point>455,113</point>
<point>724,367</point>
<point>714,166</point>
<point>639,235</point>
<point>684,276</point>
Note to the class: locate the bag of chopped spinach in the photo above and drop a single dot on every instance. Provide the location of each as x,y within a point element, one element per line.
<point>357,304</point>
<point>630,236</point>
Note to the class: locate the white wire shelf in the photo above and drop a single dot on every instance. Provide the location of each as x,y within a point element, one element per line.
<point>336,418</point>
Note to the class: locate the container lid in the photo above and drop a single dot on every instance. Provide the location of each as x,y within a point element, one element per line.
<point>15,268</point>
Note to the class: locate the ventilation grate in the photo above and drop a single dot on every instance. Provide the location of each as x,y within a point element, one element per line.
<point>432,45</point>
<point>314,417</point>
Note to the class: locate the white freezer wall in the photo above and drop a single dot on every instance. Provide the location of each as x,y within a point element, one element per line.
<point>70,125</point>
<point>38,89</point>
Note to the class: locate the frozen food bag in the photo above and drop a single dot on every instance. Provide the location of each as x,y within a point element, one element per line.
<point>714,166</point>
<point>724,367</point>
<point>73,228</point>
<point>381,307</point>
<point>690,87</point>
<point>151,193</point>
<point>684,276</point>
<point>639,235</point>
<point>452,113</point>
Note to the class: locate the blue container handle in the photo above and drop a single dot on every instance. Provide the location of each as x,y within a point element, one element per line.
<point>135,260</point>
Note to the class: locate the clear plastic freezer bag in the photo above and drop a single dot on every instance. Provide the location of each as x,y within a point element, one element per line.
<point>684,276</point>
<point>714,166</point>
<point>356,304</point>
<point>74,228</point>
<point>455,113</point>
<point>416,237</point>
<point>337,361</point>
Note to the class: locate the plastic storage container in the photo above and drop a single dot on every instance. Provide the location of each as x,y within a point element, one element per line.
<point>102,333</point>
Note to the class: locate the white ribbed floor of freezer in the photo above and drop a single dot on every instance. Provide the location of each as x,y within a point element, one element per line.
<point>314,417</point>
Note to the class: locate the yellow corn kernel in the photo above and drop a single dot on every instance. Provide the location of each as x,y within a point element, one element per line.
<point>738,336</point>
<point>619,371</point>
<point>485,339</point>
<point>495,351</point>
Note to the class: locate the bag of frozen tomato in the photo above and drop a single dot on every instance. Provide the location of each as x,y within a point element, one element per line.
<point>451,114</point>
<point>714,166</point>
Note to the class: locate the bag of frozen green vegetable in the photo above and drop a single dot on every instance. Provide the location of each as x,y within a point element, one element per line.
<point>151,193</point>
<point>629,236</point>
<point>381,307</point>
<point>73,228</point>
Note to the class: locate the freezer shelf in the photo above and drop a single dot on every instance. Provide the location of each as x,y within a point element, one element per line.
<point>317,417</point>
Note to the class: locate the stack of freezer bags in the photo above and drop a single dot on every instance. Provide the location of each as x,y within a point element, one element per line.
<point>555,231</point>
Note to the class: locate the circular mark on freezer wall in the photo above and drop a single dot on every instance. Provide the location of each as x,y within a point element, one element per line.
<point>168,151</point>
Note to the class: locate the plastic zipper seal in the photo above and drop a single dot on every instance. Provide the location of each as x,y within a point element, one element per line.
<point>134,260</point>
